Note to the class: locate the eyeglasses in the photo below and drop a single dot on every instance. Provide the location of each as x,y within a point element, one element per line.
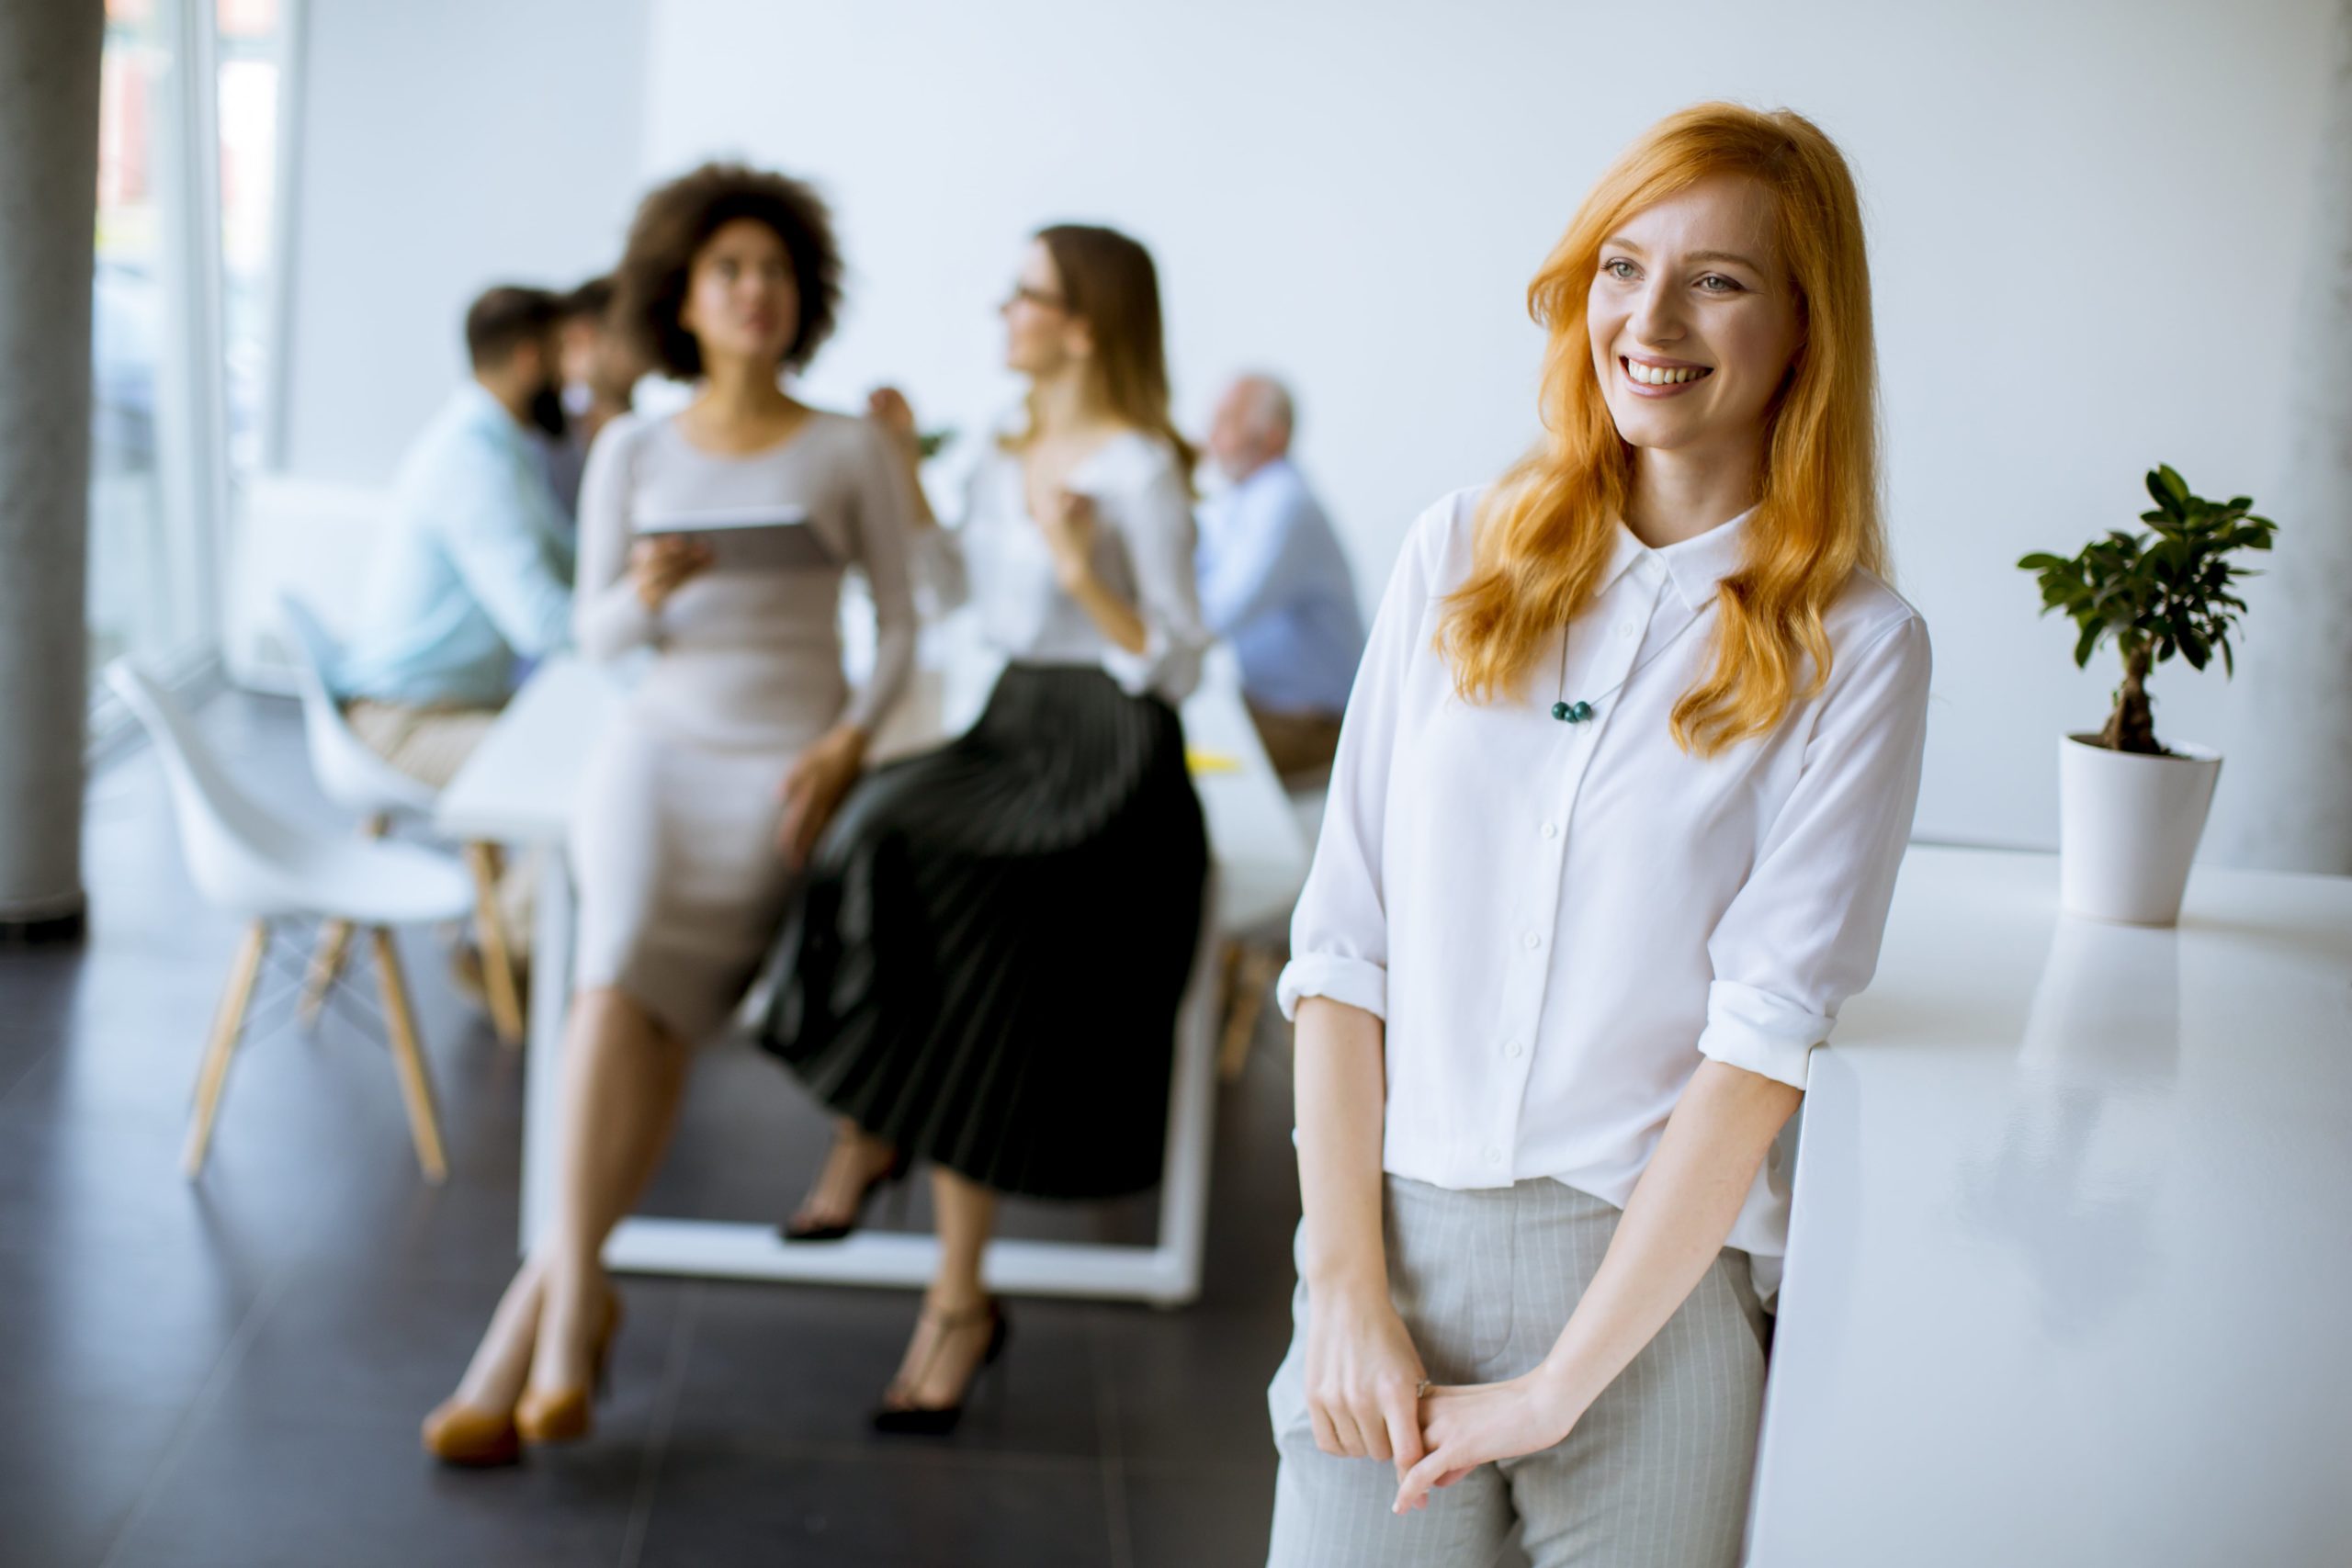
<point>1023,294</point>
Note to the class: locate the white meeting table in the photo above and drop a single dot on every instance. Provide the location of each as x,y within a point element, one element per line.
<point>517,789</point>
<point>2070,1260</point>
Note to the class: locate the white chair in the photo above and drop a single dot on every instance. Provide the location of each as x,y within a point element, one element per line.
<point>354,777</point>
<point>267,871</point>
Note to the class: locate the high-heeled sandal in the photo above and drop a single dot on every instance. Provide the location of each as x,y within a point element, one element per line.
<point>566,1414</point>
<point>899,1417</point>
<point>891,1175</point>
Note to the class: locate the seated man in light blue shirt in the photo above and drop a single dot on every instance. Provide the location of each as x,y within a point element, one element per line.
<point>476,568</point>
<point>1274,583</point>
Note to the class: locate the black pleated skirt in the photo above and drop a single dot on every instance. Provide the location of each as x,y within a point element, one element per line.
<point>984,963</point>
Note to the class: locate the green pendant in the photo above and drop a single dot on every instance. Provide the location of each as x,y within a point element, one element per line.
<point>1560,710</point>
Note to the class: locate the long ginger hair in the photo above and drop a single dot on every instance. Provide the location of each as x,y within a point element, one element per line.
<point>1109,283</point>
<point>1547,529</point>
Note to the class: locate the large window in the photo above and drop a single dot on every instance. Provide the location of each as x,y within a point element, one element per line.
<point>253,88</point>
<point>182,310</point>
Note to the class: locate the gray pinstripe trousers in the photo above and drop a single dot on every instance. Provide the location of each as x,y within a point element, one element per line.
<point>1655,1476</point>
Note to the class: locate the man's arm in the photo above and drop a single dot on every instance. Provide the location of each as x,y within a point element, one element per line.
<point>1260,560</point>
<point>490,520</point>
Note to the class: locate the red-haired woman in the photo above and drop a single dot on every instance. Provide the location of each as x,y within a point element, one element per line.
<point>1614,828</point>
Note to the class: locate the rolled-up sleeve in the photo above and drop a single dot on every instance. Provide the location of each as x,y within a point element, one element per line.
<point>1340,931</point>
<point>935,551</point>
<point>1157,528</point>
<point>884,516</point>
<point>1802,932</point>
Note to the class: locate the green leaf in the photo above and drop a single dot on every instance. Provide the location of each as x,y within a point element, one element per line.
<point>2088,644</point>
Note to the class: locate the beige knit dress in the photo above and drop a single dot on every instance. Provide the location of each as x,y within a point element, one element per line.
<point>673,844</point>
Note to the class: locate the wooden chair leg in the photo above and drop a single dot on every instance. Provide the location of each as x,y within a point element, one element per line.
<point>1249,976</point>
<point>335,946</point>
<point>227,1024</point>
<point>489,931</point>
<point>416,1084</point>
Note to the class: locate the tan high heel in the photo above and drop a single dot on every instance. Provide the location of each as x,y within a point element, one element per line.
<point>467,1435</point>
<point>566,1414</point>
<point>458,1432</point>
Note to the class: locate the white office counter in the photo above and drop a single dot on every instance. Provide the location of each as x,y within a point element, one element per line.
<point>2070,1266</point>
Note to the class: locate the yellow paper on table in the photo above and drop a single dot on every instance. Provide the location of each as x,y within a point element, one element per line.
<point>1202,761</point>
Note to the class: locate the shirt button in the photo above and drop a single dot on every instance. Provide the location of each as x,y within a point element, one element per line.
<point>1533,941</point>
<point>1551,829</point>
<point>1627,628</point>
<point>1494,1153</point>
<point>1513,1049</point>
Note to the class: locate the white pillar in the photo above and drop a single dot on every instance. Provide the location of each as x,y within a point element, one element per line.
<point>49,181</point>
<point>2286,792</point>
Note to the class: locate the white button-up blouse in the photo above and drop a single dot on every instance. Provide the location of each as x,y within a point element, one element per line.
<point>997,558</point>
<point>1559,921</point>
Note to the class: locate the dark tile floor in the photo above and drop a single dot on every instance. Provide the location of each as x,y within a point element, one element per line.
<point>231,1371</point>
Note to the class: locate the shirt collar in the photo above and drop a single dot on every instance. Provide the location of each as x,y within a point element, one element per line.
<point>1694,565</point>
<point>1272,468</point>
<point>1258,479</point>
<point>483,410</point>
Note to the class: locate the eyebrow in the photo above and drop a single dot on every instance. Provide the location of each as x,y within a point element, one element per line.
<point>1734,257</point>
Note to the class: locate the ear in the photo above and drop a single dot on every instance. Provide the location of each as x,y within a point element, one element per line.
<point>1078,340</point>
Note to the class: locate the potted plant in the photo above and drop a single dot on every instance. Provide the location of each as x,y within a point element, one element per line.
<point>2131,808</point>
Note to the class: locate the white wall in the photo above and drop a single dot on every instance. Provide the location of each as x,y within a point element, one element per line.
<point>2086,220</point>
<point>444,146</point>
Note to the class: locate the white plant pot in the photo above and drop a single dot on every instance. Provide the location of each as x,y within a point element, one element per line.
<point>2128,826</point>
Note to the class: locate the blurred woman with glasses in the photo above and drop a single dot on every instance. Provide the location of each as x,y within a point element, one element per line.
<point>983,969</point>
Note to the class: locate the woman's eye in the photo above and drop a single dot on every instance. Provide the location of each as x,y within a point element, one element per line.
<point>1716,283</point>
<point>1619,268</point>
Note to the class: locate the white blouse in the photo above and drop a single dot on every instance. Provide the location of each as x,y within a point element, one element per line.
<point>997,560</point>
<point>1559,921</point>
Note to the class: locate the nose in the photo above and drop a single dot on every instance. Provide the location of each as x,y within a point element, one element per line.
<point>1656,317</point>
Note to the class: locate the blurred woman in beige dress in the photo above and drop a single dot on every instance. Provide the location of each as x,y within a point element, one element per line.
<point>704,797</point>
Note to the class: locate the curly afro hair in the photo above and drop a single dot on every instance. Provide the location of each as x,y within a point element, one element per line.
<point>673,223</point>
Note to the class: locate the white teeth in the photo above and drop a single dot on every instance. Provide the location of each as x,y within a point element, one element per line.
<point>1651,376</point>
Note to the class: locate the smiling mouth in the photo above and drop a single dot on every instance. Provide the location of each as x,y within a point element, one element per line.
<point>1662,376</point>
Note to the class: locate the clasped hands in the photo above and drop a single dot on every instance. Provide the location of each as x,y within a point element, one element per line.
<point>1368,1398</point>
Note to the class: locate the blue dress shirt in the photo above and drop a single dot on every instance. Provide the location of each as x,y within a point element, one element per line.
<point>474,569</point>
<point>1275,585</point>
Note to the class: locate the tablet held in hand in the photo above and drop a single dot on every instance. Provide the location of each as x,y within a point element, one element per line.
<point>747,539</point>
